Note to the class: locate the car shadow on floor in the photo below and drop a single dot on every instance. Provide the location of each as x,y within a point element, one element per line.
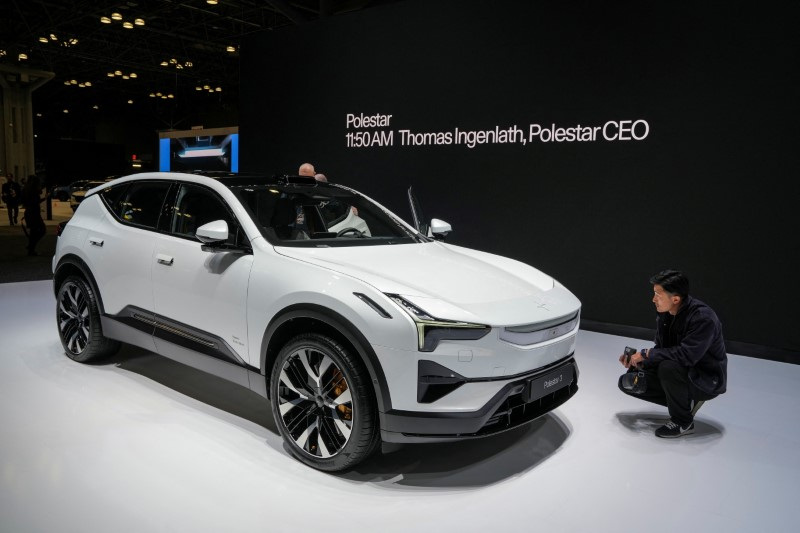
<point>467,463</point>
<point>195,384</point>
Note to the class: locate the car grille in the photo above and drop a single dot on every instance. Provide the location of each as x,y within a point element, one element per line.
<point>528,334</point>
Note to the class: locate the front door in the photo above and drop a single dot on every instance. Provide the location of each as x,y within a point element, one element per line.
<point>200,296</point>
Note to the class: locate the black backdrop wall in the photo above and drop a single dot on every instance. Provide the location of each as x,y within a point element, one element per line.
<point>598,141</point>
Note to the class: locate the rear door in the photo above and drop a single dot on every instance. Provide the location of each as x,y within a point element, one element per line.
<point>119,249</point>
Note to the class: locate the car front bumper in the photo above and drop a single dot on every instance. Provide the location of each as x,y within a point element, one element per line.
<point>518,402</point>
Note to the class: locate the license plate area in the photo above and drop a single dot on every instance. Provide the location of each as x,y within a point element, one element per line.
<point>550,382</point>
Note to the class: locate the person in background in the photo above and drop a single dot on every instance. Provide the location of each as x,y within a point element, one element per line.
<point>321,177</point>
<point>31,198</point>
<point>306,169</point>
<point>11,194</point>
<point>688,363</point>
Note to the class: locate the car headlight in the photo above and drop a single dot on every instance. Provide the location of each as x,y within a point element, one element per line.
<point>432,330</point>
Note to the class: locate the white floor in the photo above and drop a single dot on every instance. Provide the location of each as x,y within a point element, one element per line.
<point>145,444</point>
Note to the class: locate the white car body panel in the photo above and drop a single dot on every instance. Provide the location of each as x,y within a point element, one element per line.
<point>441,279</point>
<point>209,287</point>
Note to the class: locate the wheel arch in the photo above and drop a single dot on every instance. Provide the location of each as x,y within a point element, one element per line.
<point>311,318</point>
<point>72,264</point>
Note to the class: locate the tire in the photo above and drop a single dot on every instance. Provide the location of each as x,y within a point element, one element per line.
<point>78,320</point>
<point>323,402</point>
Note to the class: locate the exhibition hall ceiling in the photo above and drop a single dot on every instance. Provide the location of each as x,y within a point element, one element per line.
<point>152,54</point>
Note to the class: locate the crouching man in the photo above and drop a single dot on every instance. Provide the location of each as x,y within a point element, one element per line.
<point>688,363</point>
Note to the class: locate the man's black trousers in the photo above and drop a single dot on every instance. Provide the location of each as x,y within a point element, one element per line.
<point>668,384</point>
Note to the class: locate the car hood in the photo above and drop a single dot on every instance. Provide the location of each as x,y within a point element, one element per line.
<point>450,282</point>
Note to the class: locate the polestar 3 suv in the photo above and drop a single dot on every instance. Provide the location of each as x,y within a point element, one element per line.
<point>357,326</point>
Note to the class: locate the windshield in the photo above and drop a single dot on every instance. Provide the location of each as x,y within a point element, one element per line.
<point>320,216</point>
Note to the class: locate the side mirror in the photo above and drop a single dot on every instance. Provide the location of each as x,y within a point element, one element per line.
<point>213,232</point>
<point>440,229</point>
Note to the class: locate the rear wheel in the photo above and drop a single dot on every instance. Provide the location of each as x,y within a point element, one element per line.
<point>323,403</point>
<point>78,317</point>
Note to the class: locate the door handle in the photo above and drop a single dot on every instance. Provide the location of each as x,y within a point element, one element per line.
<point>164,259</point>
<point>96,242</point>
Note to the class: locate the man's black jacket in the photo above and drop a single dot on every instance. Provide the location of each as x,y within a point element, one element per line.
<point>693,338</point>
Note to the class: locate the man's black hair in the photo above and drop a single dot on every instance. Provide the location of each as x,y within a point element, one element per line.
<point>673,281</point>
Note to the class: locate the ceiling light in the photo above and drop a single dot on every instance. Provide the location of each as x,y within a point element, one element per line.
<point>125,77</point>
<point>158,94</point>
<point>133,75</point>
<point>173,60</point>
<point>66,111</point>
<point>43,39</point>
<point>127,25</point>
<point>73,41</point>
<point>38,115</point>
<point>218,89</point>
<point>170,95</point>
<point>231,48</point>
<point>95,106</point>
<point>188,64</point>
<point>110,74</point>
<point>198,88</point>
<point>206,87</point>
<point>81,85</point>
<point>116,16</point>
<point>105,20</point>
<point>66,82</point>
<point>164,64</point>
<point>23,56</point>
<point>152,95</point>
<point>212,2</point>
<point>179,66</point>
<point>130,101</point>
<point>139,22</point>
<point>118,73</point>
<point>74,82</point>
<point>164,97</point>
<point>53,37</point>
<point>88,84</point>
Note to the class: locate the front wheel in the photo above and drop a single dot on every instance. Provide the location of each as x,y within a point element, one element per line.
<point>323,403</point>
<point>78,317</point>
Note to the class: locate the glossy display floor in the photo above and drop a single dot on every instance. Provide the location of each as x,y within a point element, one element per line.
<point>144,444</point>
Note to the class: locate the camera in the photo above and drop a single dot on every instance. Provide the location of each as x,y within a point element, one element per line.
<point>634,381</point>
<point>628,354</point>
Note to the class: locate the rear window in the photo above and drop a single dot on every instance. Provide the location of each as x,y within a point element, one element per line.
<point>139,203</point>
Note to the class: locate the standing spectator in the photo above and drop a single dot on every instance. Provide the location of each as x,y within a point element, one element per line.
<point>11,197</point>
<point>306,169</point>
<point>31,198</point>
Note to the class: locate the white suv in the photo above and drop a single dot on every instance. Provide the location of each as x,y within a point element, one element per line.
<point>354,324</point>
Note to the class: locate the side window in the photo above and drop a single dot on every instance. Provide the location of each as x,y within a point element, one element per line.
<point>141,203</point>
<point>195,206</point>
<point>112,196</point>
<point>333,211</point>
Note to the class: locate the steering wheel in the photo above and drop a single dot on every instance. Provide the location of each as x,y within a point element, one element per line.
<point>345,231</point>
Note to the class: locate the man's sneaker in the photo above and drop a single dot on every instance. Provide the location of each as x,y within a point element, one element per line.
<point>670,430</point>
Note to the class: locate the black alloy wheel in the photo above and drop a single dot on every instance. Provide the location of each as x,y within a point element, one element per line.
<point>78,320</point>
<point>323,403</point>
